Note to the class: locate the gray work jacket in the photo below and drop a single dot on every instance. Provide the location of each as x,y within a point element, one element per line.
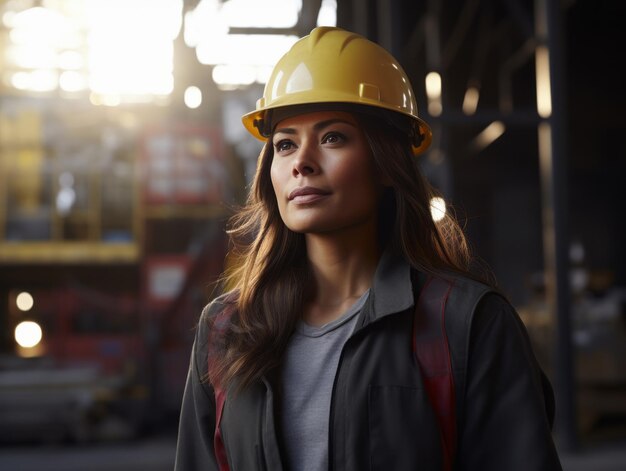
<point>380,416</point>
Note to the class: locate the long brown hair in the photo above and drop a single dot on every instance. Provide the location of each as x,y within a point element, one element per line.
<point>270,274</point>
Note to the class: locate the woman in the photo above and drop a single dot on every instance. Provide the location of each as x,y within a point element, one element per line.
<point>321,355</point>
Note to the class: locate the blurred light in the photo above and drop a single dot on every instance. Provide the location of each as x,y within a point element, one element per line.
<point>72,81</point>
<point>123,63</point>
<point>125,49</point>
<point>20,80</point>
<point>193,97</point>
<point>437,208</point>
<point>328,13</point>
<point>32,56</point>
<point>542,71</point>
<point>45,27</point>
<point>470,101</point>
<point>65,200</point>
<point>265,14</point>
<point>24,301</point>
<point>41,80</point>
<point>111,100</point>
<point>207,29</point>
<point>263,73</point>
<point>544,137</point>
<point>226,76</point>
<point>488,135</point>
<point>7,19</point>
<point>245,49</point>
<point>203,24</point>
<point>28,334</point>
<point>71,60</point>
<point>433,92</point>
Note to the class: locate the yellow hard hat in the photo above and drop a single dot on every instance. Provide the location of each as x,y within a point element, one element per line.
<point>332,65</point>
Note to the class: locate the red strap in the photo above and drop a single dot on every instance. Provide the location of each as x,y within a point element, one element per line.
<point>218,444</point>
<point>430,346</point>
<point>219,327</point>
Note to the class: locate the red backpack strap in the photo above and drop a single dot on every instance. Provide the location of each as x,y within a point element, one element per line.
<point>219,326</point>
<point>218,444</point>
<point>432,352</point>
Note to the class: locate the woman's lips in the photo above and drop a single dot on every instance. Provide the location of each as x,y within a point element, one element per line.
<point>307,194</point>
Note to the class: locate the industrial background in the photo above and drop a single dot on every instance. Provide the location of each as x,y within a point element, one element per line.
<point>122,155</point>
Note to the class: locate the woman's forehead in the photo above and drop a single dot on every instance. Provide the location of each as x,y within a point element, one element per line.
<point>313,118</point>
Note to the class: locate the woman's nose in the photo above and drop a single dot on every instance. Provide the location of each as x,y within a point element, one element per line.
<point>305,164</point>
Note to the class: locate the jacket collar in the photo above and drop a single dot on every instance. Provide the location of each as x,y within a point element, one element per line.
<point>392,289</point>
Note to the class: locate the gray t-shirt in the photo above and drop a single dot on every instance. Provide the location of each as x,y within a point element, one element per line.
<point>308,374</point>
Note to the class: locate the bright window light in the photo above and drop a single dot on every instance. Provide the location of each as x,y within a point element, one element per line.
<point>28,334</point>
<point>123,51</point>
<point>265,14</point>
<point>24,301</point>
<point>437,208</point>
<point>253,55</point>
<point>245,49</point>
<point>226,75</point>
<point>121,61</point>
<point>328,13</point>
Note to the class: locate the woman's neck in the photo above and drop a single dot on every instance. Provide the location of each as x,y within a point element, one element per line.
<point>342,269</point>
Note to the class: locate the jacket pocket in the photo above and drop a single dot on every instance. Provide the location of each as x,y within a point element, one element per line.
<point>403,430</point>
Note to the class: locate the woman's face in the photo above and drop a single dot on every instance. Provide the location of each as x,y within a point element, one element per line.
<point>323,173</point>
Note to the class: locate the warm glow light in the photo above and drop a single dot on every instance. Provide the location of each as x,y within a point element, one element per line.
<point>470,101</point>
<point>433,85</point>
<point>28,334</point>
<point>542,71</point>
<point>433,92</point>
<point>489,134</point>
<point>437,208</point>
<point>193,97</point>
<point>24,301</point>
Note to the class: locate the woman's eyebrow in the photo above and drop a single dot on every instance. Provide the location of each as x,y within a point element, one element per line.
<point>317,126</point>
<point>322,124</point>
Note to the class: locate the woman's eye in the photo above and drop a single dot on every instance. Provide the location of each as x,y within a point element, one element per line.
<point>333,138</point>
<point>284,145</point>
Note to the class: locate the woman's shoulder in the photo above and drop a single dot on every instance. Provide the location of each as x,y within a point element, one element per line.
<point>219,306</point>
<point>216,316</point>
<point>471,304</point>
